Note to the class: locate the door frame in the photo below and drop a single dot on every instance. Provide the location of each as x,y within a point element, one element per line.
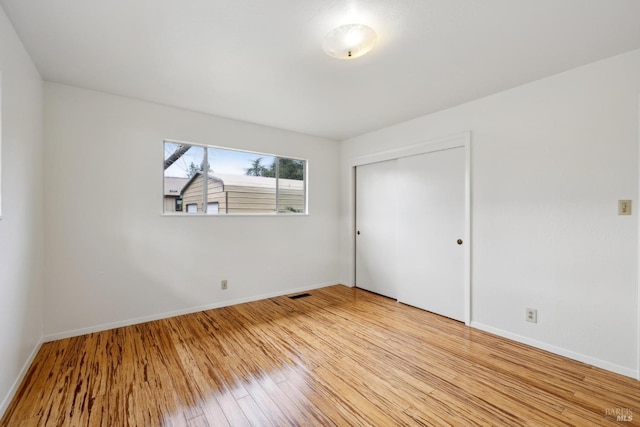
<point>458,140</point>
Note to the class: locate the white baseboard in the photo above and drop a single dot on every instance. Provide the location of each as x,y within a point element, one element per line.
<point>165,315</point>
<point>559,351</point>
<point>14,388</point>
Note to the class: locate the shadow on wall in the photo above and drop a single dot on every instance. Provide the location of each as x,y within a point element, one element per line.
<point>124,274</point>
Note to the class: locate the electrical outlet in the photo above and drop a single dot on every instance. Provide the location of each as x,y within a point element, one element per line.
<point>624,207</point>
<point>532,315</point>
<point>223,285</point>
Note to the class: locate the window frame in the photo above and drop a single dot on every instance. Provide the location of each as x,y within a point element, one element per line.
<point>276,212</point>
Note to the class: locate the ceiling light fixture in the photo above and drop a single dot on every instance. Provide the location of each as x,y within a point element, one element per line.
<point>349,41</point>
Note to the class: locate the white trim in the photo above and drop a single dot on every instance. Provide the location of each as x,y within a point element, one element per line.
<point>205,181</point>
<point>458,140</point>
<point>461,139</point>
<point>1,156</point>
<point>14,388</point>
<point>235,215</point>
<point>638,261</point>
<point>200,144</point>
<point>558,350</point>
<point>467,229</point>
<point>277,161</point>
<point>165,315</point>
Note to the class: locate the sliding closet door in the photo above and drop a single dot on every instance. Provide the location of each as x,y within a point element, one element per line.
<point>376,203</point>
<point>431,227</point>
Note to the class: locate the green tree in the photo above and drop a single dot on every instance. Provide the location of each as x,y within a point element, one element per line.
<point>193,169</point>
<point>290,169</point>
<point>257,168</point>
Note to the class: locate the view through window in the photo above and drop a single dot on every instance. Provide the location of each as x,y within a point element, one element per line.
<point>210,180</point>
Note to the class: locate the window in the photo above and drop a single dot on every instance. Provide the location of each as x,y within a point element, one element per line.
<point>220,181</point>
<point>213,208</point>
<point>290,173</point>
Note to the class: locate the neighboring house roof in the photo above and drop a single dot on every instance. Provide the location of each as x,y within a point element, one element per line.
<point>174,185</point>
<point>249,181</point>
<point>256,181</point>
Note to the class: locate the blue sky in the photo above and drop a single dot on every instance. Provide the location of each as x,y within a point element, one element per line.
<point>221,160</point>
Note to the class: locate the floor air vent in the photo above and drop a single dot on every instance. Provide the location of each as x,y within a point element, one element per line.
<point>300,296</point>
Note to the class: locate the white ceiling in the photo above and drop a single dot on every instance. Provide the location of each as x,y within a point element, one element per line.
<point>262,61</point>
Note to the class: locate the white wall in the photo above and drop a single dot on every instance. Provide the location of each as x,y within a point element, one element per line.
<point>21,224</point>
<point>549,161</point>
<point>112,258</point>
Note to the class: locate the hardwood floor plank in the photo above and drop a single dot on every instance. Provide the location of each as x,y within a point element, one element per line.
<point>324,402</point>
<point>431,417</point>
<point>213,413</point>
<point>97,414</point>
<point>232,409</point>
<point>358,403</point>
<point>403,391</point>
<point>341,356</point>
<point>253,412</point>
<point>581,417</point>
<point>64,388</point>
<point>267,405</point>
<point>295,410</point>
<point>199,421</point>
<point>34,388</point>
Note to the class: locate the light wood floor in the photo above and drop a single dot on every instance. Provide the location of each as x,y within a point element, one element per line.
<point>341,356</point>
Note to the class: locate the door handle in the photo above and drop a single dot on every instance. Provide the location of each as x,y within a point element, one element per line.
<point>459,241</point>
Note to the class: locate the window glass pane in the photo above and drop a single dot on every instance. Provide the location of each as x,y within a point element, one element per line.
<point>235,182</point>
<point>183,185</point>
<point>242,182</point>
<point>291,187</point>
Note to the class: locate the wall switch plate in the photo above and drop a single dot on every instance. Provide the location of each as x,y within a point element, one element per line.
<point>223,285</point>
<point>624,207</point>
<point>532,315</point>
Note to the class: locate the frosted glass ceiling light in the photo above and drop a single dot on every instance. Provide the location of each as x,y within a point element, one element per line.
<point>349,41</point>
